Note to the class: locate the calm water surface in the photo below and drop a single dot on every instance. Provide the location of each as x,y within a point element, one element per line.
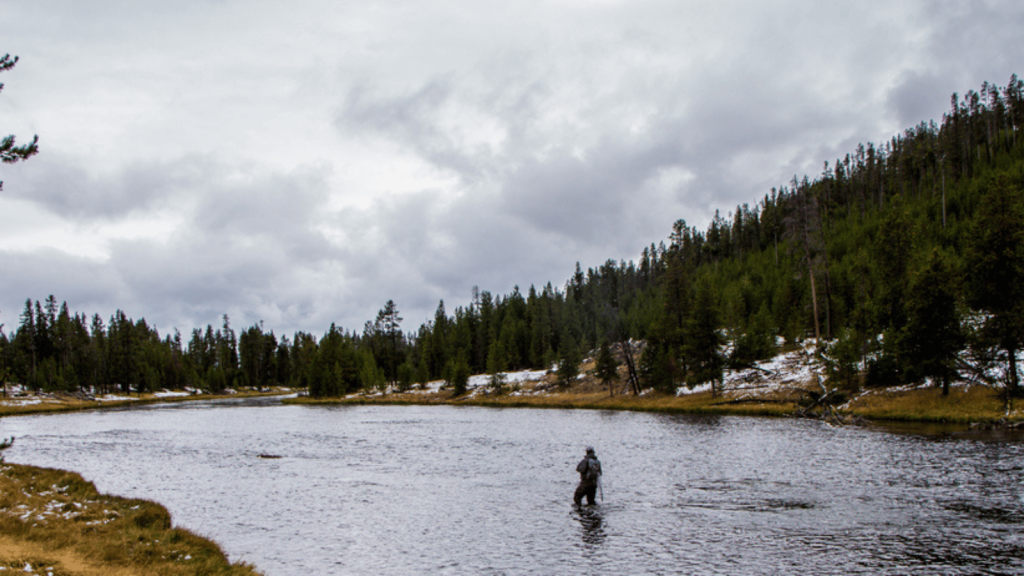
<point>450,490</point>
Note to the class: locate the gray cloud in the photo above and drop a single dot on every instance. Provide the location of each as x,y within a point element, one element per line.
<point>304,164</point>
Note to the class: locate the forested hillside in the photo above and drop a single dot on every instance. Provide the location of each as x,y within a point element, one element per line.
<point>904,258</point>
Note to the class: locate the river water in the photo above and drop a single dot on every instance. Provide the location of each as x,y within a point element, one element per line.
<point>466,490</point>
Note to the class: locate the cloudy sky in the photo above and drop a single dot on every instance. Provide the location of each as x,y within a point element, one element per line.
<point>303,162</point>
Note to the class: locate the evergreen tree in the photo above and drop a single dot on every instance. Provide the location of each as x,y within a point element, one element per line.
<point>893,251</point>
<point>371,377</point>
<point>606,367</point>
<point>932,337</point>
<point>457,374</point>
<point>995,275</point>
<point>703,347</point>
<point>568,366</point>
<point>9,153</point>
<point>385,338</point>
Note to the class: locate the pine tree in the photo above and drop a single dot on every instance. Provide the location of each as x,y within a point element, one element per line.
<point>386,337</point>
<point>568,365</point>
<point>606,367</point>
<point>703,347</point>
<point>893,251</point>
<point>456,373</point>
<point>995,275</point>
<point>9,153</point>
<point>932,336</point>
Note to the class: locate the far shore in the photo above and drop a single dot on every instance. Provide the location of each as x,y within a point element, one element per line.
<point>21,403</point>
<point>788,388</point>
<point>975,405</point>
<point>790,384</point>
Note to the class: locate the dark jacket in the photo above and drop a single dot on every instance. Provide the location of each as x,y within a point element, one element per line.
<point>590,470</point>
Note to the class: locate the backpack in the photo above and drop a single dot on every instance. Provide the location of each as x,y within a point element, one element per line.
<point>593,471</point>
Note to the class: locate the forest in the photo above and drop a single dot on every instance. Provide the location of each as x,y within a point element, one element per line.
<point>903,259</point>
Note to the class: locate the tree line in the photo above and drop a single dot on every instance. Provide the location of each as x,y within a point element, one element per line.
<point>903,259</point>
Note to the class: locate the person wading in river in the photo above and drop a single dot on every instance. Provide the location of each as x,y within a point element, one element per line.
<point>590,476</point>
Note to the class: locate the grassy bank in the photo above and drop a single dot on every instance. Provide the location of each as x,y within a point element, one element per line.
<point>963,405</point>
<point>67,403</point>
<point>53,522</point>
<point>926,404</point>
<point>701,403</point>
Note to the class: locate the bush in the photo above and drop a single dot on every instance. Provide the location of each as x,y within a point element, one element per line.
<point>456,373</point>
<point>842,356</point>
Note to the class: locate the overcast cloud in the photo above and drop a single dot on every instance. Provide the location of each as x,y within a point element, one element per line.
<point>301,163</point>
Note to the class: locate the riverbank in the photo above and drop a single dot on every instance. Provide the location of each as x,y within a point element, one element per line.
<point>55,523</point>
<point>963,405</point>
<point>18,402</point>
<point>786,385</point>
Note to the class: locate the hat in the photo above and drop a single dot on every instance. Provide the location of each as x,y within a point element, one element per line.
<point>590,449</point>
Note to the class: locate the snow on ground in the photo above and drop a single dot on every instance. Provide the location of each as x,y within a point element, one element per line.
<point>170,394</point>
<point>20,401</point>
<point>511,378</point>
<point>114,398</point>
<point>786,370</point>
<point>477,383</point>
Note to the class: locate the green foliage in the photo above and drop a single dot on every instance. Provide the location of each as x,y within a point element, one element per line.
<point>842,357</point>
<point>931,340</point>
<point>457,374</point>
<point>422,373</point>
<point>606,366</point>
<point>884,368</point>
<point>568,367</point>
<point>656,367</point>
<point>893,251</point>
<point>497,382</point>
<point>406,375</point>
<point>756,343</point>
<point>9,152</point>
<point>370,376</point>
<point>996,267</point>
<point>703,347</point>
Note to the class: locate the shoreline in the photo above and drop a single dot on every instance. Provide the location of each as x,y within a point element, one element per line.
<point>58,402</point>
<point>790,384</point>
<point>924,405</point>
<point>55,522</point>
<point>966,405</point>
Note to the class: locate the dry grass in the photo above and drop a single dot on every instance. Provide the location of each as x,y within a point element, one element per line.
<point>975,404</point>
<point>54,522</point>
<point>587,393</point>
<point>59,403</point>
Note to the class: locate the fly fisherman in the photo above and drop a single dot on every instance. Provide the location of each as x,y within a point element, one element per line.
<point>590,477</point>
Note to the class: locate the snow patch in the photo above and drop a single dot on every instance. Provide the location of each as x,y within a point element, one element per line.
<point>170,394</point>
<point>114,398</point>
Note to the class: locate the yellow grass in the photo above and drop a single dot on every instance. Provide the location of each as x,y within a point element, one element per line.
<point>54,522</point>
<point>976,404</point>
<point>63,403</point>
<point>585,394</point>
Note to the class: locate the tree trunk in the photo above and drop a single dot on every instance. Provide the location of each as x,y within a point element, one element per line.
<point>1014,383</point>
<point>633,379</point>
<point>814,303</point>
<point>943,197</point>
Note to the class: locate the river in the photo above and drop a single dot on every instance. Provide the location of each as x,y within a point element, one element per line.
<point>468,490</point>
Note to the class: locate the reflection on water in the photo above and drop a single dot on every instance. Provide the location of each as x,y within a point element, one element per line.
<point>590,521</point>
<point>461,490</point>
